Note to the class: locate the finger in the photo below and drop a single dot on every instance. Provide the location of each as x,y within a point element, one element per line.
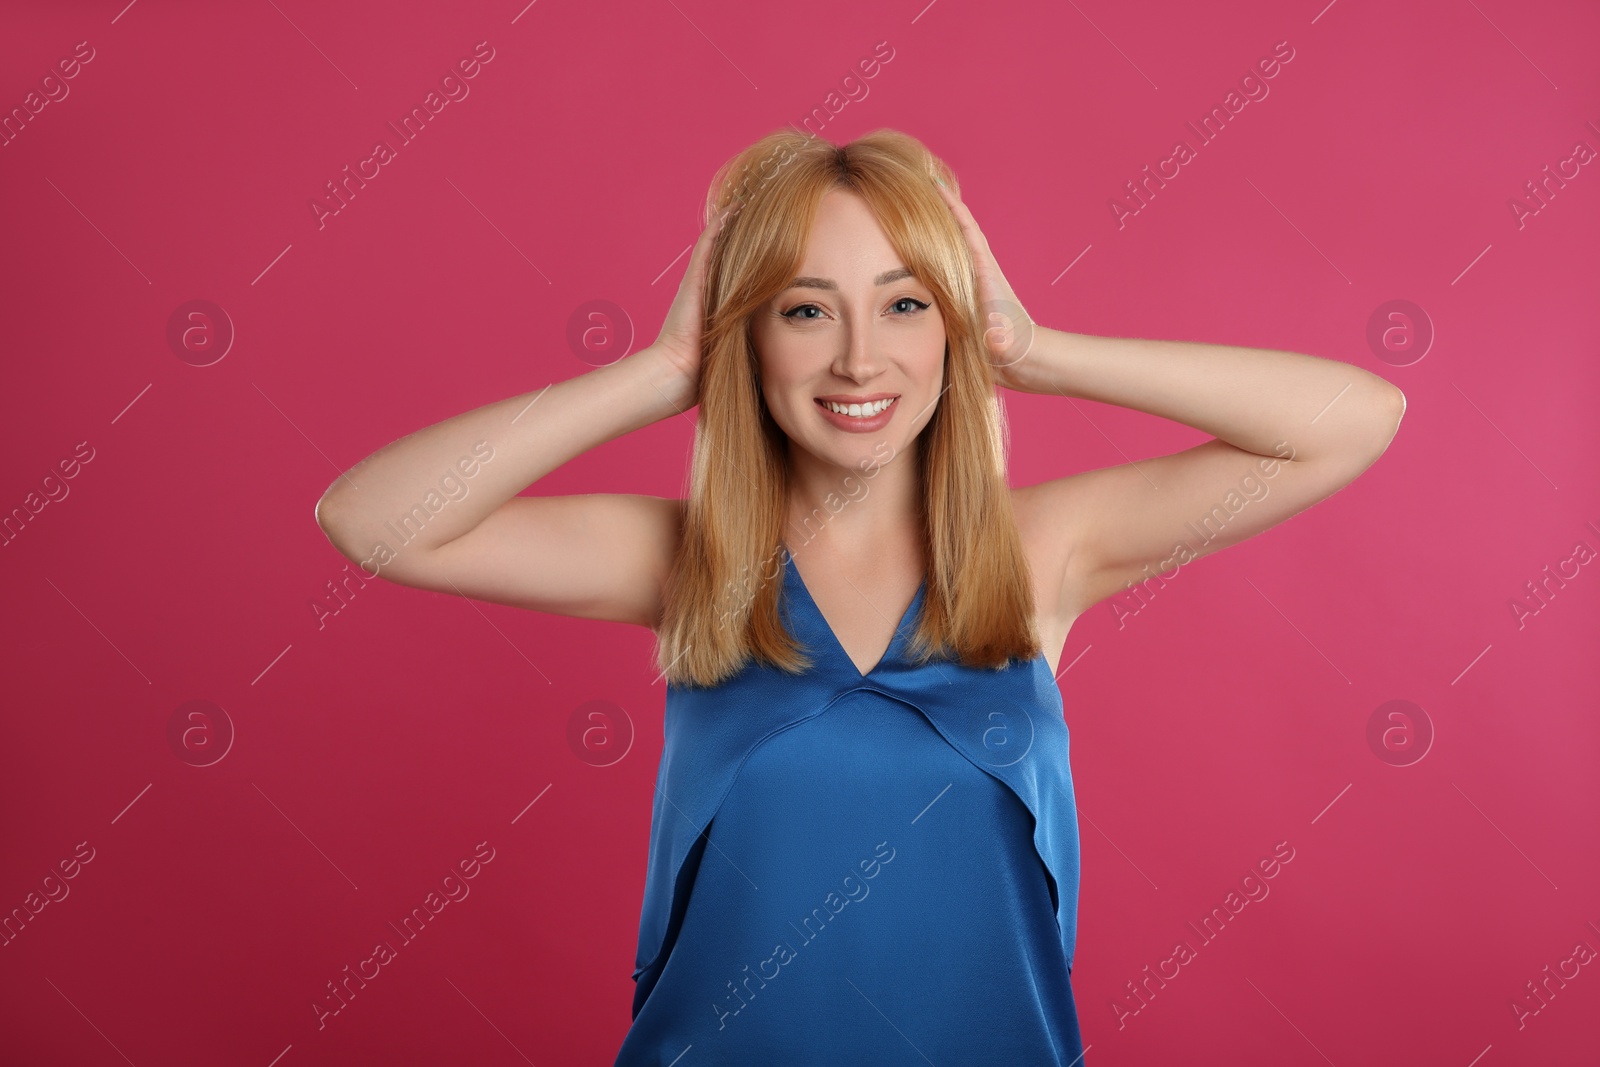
<point>955,202</point>
<point>701,254</point>
<point>965,219</point>
<point>720,223</point>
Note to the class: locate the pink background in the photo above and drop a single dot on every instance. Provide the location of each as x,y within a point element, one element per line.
<point>373,751</point>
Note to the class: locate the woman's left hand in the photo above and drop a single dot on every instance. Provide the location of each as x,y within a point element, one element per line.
<point>1008,332</point>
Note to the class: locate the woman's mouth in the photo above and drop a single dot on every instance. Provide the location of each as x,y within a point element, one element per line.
<point>859,417</point>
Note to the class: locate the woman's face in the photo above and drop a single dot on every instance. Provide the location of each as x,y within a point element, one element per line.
<point>854,328</point>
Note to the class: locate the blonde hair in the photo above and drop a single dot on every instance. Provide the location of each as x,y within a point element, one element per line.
<point>721,596</point>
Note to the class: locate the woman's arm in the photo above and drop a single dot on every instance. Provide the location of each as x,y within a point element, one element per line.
<point>1289,430</point>
<point>525,437</point>
<point>440,509</point>
<point>1255,399</point>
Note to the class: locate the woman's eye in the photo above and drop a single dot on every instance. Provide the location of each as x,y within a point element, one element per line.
<point>796,312</point>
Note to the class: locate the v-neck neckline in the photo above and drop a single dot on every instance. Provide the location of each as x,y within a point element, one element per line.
<point>895,641</point>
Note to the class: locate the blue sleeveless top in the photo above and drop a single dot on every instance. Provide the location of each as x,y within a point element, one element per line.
<point>849,868</point>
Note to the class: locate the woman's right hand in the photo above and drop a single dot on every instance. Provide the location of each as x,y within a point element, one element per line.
<point>681,333</point>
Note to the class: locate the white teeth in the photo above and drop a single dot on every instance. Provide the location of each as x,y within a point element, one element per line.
<point>859,411</point>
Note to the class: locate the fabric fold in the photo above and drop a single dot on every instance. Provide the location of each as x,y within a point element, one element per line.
<point>1009,723</point>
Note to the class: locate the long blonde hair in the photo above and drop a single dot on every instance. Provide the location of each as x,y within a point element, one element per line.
<point>721,596</point>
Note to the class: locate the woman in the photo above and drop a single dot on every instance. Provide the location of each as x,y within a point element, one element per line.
<point>864,840</point>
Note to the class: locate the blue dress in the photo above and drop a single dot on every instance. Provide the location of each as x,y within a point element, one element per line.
<point>850,868</point>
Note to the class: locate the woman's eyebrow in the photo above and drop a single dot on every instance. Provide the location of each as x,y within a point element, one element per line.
<point>828,283</point>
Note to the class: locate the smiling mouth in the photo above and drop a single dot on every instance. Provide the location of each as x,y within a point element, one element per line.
<point>865,410</point>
